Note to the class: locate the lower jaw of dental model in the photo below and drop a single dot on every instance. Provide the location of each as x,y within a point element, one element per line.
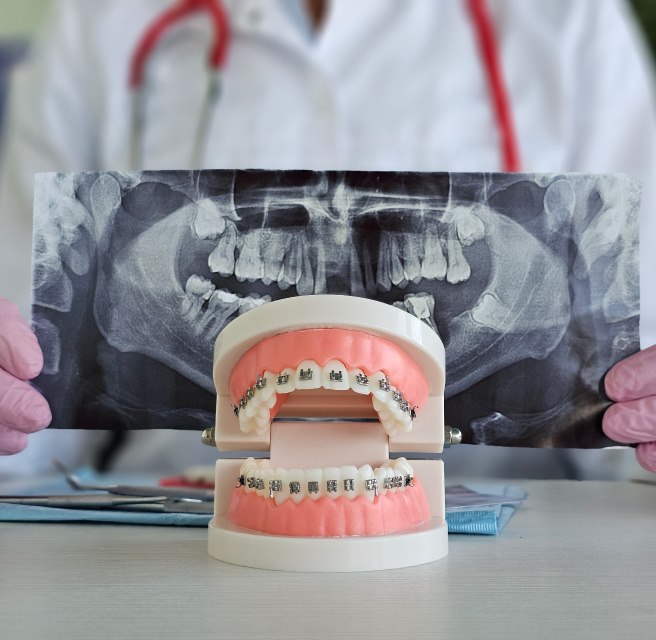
<point>328,501</point>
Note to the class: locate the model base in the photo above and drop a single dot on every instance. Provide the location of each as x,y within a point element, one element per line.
<point>236,545</point>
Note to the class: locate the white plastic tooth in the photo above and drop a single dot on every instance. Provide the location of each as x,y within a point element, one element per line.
<point>405,423</point>
<point>399,472</point>
<point>330,475</point>
<point>393,406</point>
<point>365,473</point>
<point>264,473</point>
<point>390,425</point>
<point>281,476</point>
<point>250,410</point>
<point>262,422</point>
<point>348,473</point>
<point>381,408</point>
<point>338,370</point>
<point>269,388</point>
<point>247,425</point>
<point>389,474</point>
<point>402,465</point>
<point>248,470</point>
<point>374,384</point>
<point>401,426</point>
<point>290,385</point>
<point>403,468</point>
<point>245,465</point>
<point>256,473</point>
<point>355,385</point>
<point>296,476</point>
<point>315,475</point>
<point>380,474</point>
<point>270,402</point>
<point>314,381</point>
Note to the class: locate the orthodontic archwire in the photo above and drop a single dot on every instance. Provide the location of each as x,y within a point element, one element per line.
<point>332,486</point>
<point>335,376</point>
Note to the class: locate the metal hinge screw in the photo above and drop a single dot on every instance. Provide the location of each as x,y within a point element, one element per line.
<point>452,436</point>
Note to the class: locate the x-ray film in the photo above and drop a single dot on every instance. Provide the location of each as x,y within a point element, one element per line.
<point>531,282</point>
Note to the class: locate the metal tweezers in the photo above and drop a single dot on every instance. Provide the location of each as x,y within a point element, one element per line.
<point>161,504</point>
<point>122,497</point>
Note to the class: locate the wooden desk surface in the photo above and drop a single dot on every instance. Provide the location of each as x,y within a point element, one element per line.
<point>578,560</point>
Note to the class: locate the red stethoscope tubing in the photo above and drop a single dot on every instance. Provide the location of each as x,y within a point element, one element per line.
<point>177,12</point>
<point>480,16</point>
<point>487,43</point>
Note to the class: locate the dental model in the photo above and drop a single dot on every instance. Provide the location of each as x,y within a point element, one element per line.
<point>325,388</point>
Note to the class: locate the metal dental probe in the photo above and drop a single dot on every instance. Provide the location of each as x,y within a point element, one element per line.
<point>89,501</point>
<point>176,493</point>
<point>158,504</point>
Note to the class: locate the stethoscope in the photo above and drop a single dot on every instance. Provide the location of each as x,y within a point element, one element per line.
<point>480,16</point>
<point>216,61</point>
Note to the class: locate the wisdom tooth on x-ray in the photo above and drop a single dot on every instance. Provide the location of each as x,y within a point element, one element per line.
<point>522,276</point>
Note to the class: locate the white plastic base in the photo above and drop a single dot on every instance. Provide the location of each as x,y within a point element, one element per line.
<point>235,545</point>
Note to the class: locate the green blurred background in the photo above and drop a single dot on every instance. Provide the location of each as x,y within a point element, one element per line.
<point>20,18</point>
<point>646,12</point>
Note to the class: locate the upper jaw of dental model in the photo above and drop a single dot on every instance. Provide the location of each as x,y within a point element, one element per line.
<point>368,365</point>
<point>255,405</point>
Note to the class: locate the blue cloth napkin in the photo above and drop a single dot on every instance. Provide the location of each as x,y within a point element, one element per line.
<point>475,520</point>
<point>23,513</point>
<point>485,520</point>
<point>28,513</point>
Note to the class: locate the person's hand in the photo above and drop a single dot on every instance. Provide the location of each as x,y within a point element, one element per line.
<point>631,383</point>
<point>23,410</point>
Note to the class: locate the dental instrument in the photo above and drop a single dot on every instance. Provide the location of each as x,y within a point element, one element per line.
<point>112,502</point>
<point>175,493</point>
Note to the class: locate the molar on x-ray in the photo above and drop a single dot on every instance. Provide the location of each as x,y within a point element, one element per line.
<point>530,280</point>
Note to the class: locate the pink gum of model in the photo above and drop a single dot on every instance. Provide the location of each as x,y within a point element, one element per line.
<point>355,349</point>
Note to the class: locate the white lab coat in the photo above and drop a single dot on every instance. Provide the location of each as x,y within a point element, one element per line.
<point>386,85</point>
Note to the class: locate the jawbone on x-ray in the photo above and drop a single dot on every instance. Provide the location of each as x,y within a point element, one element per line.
<point>531,282</point>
